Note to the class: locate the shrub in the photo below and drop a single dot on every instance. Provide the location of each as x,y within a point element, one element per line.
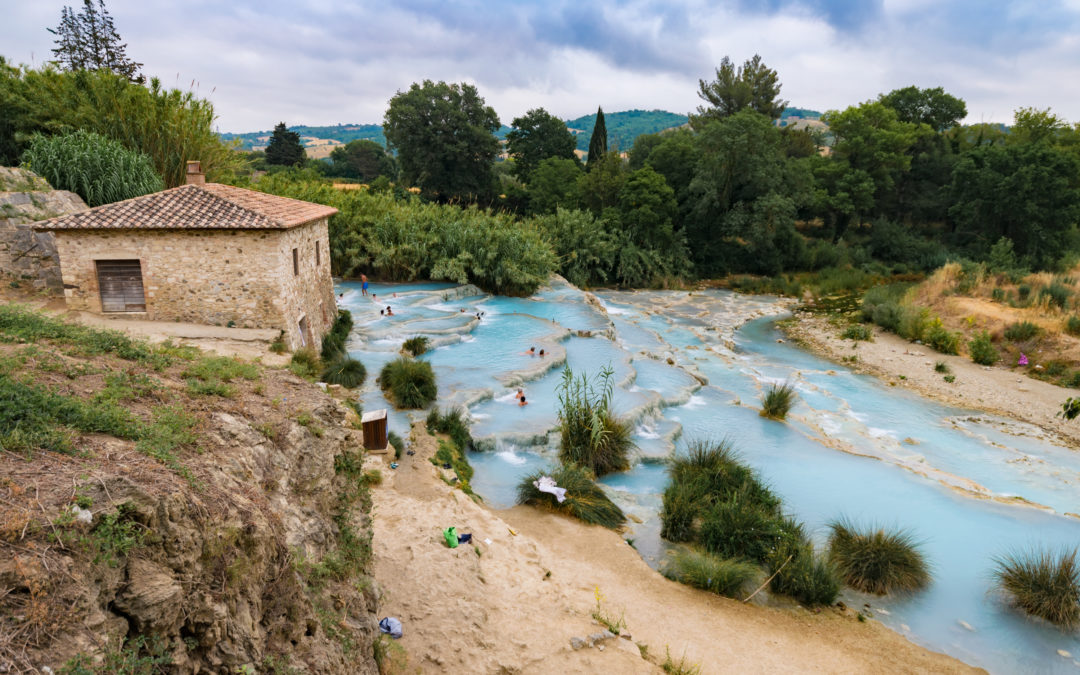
<point>1023,292</point>
<point>739,528</point>
<point>876,561</point>
<point>346,371</point>
<point>997,295</point>
<point>777,401</point>
<point>98,169</point>
<point>416,345</point>
<point>411,384</point>
<point>1021,331</point>
<point>1072,326</point>
<point>982,350</point>
<point>333,345</point>
<point>858,332</point>
<point>584,498</point>
<point>305,363</point>
<point>724,576</point>
<point>809,578</point>
<point>941,339</point>
<point>941,367</point>
<point>399,445</point>
<point>590,434</point>
<point>1056,293</point>
<point>452,423</point>
<point>1043,583</point>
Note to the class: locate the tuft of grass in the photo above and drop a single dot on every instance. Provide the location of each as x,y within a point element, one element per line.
<point>223,368</point>
<point>949,378</point>
<point>306,363</point>
<point>680,667</point>
<point>210,388</point>
<point>22,324</point>
<point>1021,331</point>
<point>590,434</point>
<point>941,367</point>
<point>1072,326</point>
<point>1043,583</point>
<point>777,401</point>
<point>982,350</point>
<point>333,344</point>
<point>410,384</point>
<point>584,498</point>
<point>875,560</point>
<point>729,577</point>
<point>399,445</point>
<point>451,422</point>
<point>1056,294</point>
<point>416,345</point>
<point>346,371</point>
<point>858,331</point>
<point>809,578</point>
<point>739,528</point>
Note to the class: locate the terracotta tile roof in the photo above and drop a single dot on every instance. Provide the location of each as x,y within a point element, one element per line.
<point>195,207</point>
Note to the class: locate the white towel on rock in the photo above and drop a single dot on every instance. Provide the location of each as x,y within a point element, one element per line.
<point>547,484</point>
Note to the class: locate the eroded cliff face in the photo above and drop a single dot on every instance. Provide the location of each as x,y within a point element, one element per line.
<point>251,555</point>
<point>25,254</point>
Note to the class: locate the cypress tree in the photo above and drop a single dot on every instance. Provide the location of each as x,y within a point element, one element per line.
<point>598,142</point>
<point>284,147</point>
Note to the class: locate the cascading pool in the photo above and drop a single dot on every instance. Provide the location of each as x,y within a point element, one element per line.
<point>692,366</point>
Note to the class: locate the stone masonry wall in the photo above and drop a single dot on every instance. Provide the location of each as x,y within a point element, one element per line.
<point>309,294</point>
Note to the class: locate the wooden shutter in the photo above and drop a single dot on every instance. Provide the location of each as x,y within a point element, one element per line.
<point>121,286</point>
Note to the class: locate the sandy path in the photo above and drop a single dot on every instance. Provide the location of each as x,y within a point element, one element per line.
<point>994,389</point>
<point>500,611</point>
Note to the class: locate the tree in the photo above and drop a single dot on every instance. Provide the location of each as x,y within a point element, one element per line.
<point>932,107</point>
<point>554,184</point>
<point>284,148</point>
<point>89,41</point>
<point>362,159</point>
<point>598,142</point>
<point>444,136</point>
<point>1031,125</point>
<point>535,137</point>
<point>599,188</point>
<point>753,85</point>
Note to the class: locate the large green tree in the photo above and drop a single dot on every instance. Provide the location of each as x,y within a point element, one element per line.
<point>932,107</point>
<point>88,40</point>
<point>536,136</point>
<point>284,148</point>
<point>598,142</point>
<point>444,136</point>
<point>554,184</point>
<point>362,159</point>
<point>752,85</point>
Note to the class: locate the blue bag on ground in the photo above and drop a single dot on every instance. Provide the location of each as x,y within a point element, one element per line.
<point>391,626</point>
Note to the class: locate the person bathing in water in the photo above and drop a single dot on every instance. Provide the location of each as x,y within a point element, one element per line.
<point>363,280</point>
<point>531,352</point>
<point>389,312</point>
<point>521,401</point>
<point>541,353</point>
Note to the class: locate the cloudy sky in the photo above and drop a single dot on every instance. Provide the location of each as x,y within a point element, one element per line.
<point>331,61</point>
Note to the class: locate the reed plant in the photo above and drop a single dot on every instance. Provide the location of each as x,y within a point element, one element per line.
<point>1043,583</point>
<point>798,572</point>
<point>452,423</point>
<point>739,528</point>
<point>590,434</point>
<point>875,560</point>
<point>409,383</point>
<point>584,499</point>
<point>346,371</point>
<point>729,577</point>
<point>777,401</point>
<point>416,345</point>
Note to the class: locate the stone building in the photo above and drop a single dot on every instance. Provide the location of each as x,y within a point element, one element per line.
<point>202,253</point>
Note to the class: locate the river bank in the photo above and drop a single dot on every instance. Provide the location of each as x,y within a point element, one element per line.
<point>995,389</point>
<point>514,599</point>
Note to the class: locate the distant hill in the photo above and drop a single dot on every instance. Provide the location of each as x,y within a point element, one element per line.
<point>342,133</point>
<point>623,128</point>
<point>803,113</point>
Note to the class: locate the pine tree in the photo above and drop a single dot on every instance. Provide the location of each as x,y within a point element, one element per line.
<point>598,142</point>
<point>284,147</point>
<point>89,41</point>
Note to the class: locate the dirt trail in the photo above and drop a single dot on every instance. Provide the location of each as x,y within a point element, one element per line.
<point>512,603</point>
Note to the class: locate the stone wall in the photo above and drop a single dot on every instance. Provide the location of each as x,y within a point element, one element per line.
<point>24,199</point>
<point>211,276</point>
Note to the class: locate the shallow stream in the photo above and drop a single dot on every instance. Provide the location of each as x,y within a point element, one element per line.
<point>971,486</point>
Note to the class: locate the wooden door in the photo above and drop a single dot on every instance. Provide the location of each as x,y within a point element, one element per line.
<point>120,283</point>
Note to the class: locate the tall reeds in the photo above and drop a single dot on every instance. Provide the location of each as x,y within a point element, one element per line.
<point>590,434</point>
<point>777,401</point>
<point>408,383</point>
<point>877,561</point>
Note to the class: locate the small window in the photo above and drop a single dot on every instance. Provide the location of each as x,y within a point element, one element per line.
<point>318,255</point>
<point>296,262</point>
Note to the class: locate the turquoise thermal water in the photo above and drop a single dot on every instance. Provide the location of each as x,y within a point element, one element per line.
<point>687,367</point>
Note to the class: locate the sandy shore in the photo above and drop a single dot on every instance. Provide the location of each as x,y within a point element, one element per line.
<point>993,389</point>
<point>513,603</point>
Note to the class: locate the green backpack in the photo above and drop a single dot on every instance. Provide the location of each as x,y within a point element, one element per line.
<point>450,535</point>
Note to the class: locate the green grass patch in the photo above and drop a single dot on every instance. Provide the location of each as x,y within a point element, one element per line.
<point>1043,583</point>
<point>941,367</point>
<point>452,423</point>
<point>777,401</point>
<point>22,324</point>
<point>982,350</point>
<point>1022,331</point>
<point>729,577</point>
<point>858,331</point>
<point>346,371</point>
<point>590,434</point>
<point>585,500</point>
<point>1072,326</point>
<point>801,574</point>
<point>877,561</point>
<point>409,383</point>
<point>305,363</point>
<point>416,345</point>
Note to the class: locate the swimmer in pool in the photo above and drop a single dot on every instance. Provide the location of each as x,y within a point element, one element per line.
<point>531,352</point>
<point>541,353</point>
<point>389,312</point>
<point>521,401</point>
<point>363,279</point>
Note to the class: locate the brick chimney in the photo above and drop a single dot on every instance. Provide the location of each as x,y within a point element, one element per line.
<point>195,176</point>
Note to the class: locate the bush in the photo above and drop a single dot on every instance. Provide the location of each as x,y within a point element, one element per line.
<point>416,345</point>
<point>1056,293</point>
<point>724,576</point>
<point>584,498</point>
<point>590,435</point>
<point>982,350</point>
<point>941,367</point>
<point>96,168</point>
<point>1023,292</point>
<point>876,561</point>
<point>777,401</point>
<point>411,384</point>
<point>858,332</point>
<point>810,579</point>
<point>739,528</point>
<point>1021,331</point>
<point>1072,326</point>
<point>305,363</point>
<point>452,423</point>
<point>399,445</point>
<point>333,345</point>
<point>1043,583</point>
<point>941,339</point>
<point>346,371</point>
